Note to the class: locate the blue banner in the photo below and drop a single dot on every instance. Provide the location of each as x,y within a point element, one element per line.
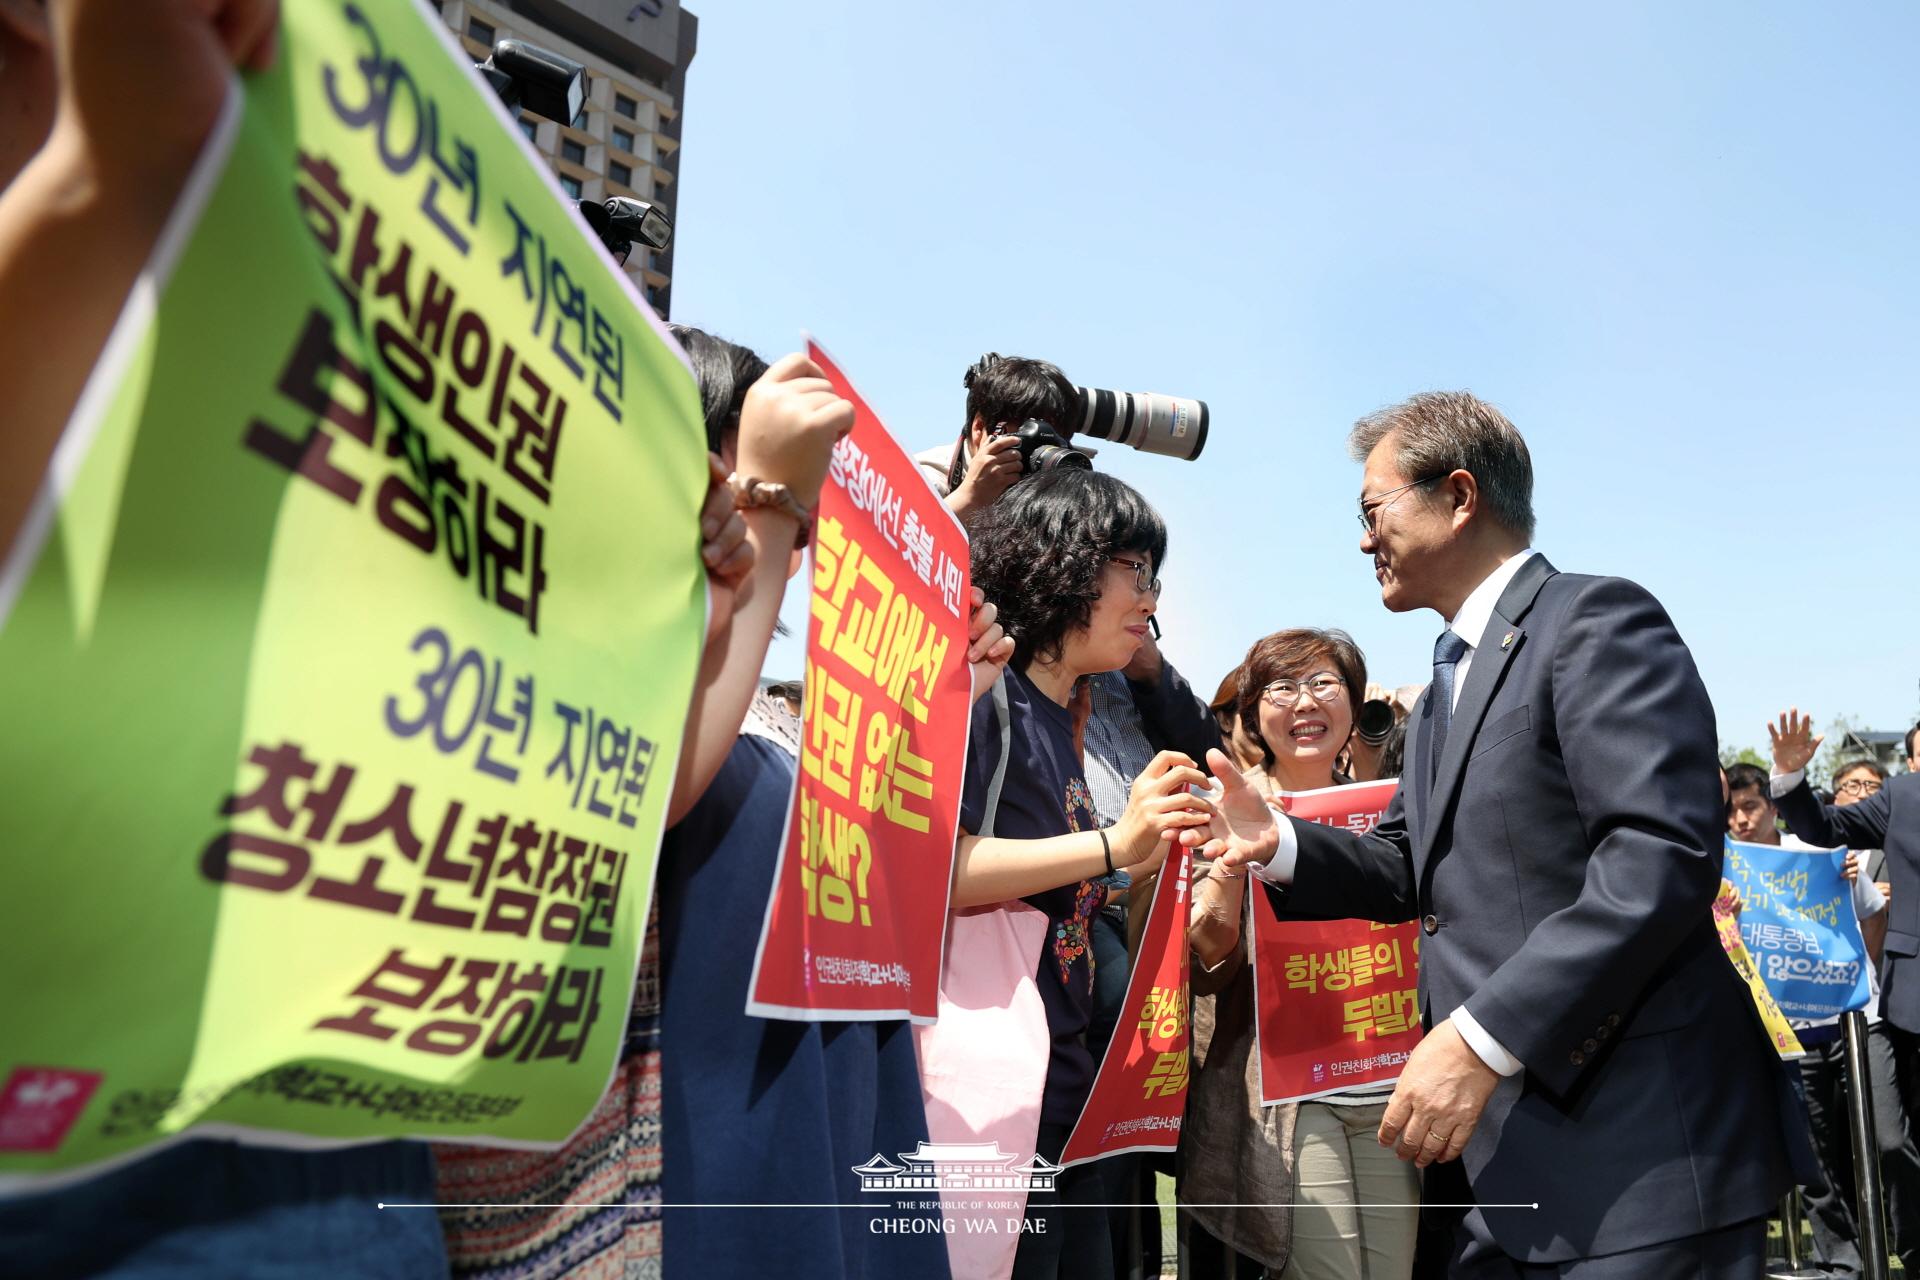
<point>1798,922</point>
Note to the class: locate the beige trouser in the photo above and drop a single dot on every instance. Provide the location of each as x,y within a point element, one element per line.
<point>1338,1164</point>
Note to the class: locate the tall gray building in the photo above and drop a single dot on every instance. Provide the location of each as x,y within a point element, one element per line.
<point>626,140</point>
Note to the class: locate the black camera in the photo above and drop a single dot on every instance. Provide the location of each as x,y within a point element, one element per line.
<point>622,222</point>
<point>1173,426</point>
<point>1374,722</point>
<point>538,80</point>
<point>1043,449</point>
<point>528,77</point>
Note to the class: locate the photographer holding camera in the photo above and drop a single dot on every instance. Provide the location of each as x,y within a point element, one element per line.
<point>1003,393</point>
<point>1023,417</point>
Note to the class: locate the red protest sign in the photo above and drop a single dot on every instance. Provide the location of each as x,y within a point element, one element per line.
<point>1336,1001</point>
<point>858,912</point>
<point>1140,1092</point>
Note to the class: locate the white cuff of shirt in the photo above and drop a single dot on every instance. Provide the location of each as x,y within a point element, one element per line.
<point>1491,1051</point>
<point>1279,868</point>
<point>1785,782</point>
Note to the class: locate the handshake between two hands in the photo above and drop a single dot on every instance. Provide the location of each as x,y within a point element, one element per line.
<point>1445,1085</point>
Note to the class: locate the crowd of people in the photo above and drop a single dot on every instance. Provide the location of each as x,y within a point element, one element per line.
<point>1555,836</point>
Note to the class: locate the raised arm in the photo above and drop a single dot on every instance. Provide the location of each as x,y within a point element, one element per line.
<point>788,426</point>
<point>1857,826</point>
<point>139,89</point>
<point>1337,874</point>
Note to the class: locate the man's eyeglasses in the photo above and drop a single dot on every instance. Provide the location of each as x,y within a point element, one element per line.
<point>1324,686</point>
<point>1370,512</point>
<point>1143,580</point>
<point>1858,787</point>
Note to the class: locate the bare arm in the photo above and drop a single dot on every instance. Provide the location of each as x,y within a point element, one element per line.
<point>788,425</point>
<point>140,88</point>
<point>990,869</point>
<point>994,869</point>
<point>1213,924</point>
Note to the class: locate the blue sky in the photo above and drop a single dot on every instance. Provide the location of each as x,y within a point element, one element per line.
<point>1674,243</point>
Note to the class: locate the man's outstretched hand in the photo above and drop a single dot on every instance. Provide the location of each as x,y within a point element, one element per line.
<point>1794,741</point>
<point>1243,828</point>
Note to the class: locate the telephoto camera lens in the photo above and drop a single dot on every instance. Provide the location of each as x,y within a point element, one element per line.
<point>1144,420</point>
<point>1374,722</point>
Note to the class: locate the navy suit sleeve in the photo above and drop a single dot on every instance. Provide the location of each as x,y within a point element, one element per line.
<point>1174,717</point>
<point>1638,741</point>
<point>1857,826</point>
<point>1339,875</point>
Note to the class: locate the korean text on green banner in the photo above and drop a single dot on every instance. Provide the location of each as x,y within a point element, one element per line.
<point>345,656</point>
<point>1139,1095</point>
<point>858,909</point>
<point>1337,1003</point>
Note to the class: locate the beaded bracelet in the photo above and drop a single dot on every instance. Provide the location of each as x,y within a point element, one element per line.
<point>750,492</point>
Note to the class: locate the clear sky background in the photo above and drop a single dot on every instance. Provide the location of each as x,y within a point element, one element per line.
<point>1675,243</point>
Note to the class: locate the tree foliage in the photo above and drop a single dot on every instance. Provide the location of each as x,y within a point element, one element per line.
<point>1820,772</point>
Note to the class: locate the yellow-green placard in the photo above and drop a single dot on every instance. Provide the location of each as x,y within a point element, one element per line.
<point>344,665</point>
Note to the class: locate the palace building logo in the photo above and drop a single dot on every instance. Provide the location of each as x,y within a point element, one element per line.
<point>957,1166</point>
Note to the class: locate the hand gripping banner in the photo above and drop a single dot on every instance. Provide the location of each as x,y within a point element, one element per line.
<point>345,655</point>
<point>858,909</point>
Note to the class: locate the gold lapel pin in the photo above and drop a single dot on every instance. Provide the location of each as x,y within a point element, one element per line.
<point>1506,642</point>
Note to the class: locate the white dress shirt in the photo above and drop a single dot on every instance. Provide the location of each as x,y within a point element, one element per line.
<point>1470,624</point>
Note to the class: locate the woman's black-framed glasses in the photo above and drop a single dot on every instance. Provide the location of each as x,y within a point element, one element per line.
<point>1143,580</point>
<point>1381,501</point>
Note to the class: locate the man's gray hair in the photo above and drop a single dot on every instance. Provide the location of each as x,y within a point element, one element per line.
<point>1439,432</point>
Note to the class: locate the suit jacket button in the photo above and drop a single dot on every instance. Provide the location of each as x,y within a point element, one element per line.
<point>1577,1058</point>
<point>1603,1031</point>
<point>1613,1019</point>
<point>1591,1045</point>
<point>1431,924</point>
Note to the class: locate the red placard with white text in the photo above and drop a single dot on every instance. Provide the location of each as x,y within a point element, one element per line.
<point>1140,1093</point>
<point>1337,1004</point>
<point>858,912</point>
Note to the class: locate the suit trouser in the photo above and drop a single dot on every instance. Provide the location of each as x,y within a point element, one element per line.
<point>1738,1252</point>
<point>1834,1215</point>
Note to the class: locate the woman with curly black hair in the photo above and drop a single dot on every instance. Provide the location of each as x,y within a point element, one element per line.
<point>1070,559</point>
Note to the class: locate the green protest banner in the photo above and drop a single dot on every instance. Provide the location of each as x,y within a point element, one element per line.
<point>344,658</point>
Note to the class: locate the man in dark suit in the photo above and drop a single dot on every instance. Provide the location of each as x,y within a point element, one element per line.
<point>1888,819</point>
<point>1557,833</point>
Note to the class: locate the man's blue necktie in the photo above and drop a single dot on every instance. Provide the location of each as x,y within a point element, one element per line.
<point>1447,652</point>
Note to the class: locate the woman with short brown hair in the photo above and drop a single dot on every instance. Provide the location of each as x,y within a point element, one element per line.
<point>1297,695</point>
